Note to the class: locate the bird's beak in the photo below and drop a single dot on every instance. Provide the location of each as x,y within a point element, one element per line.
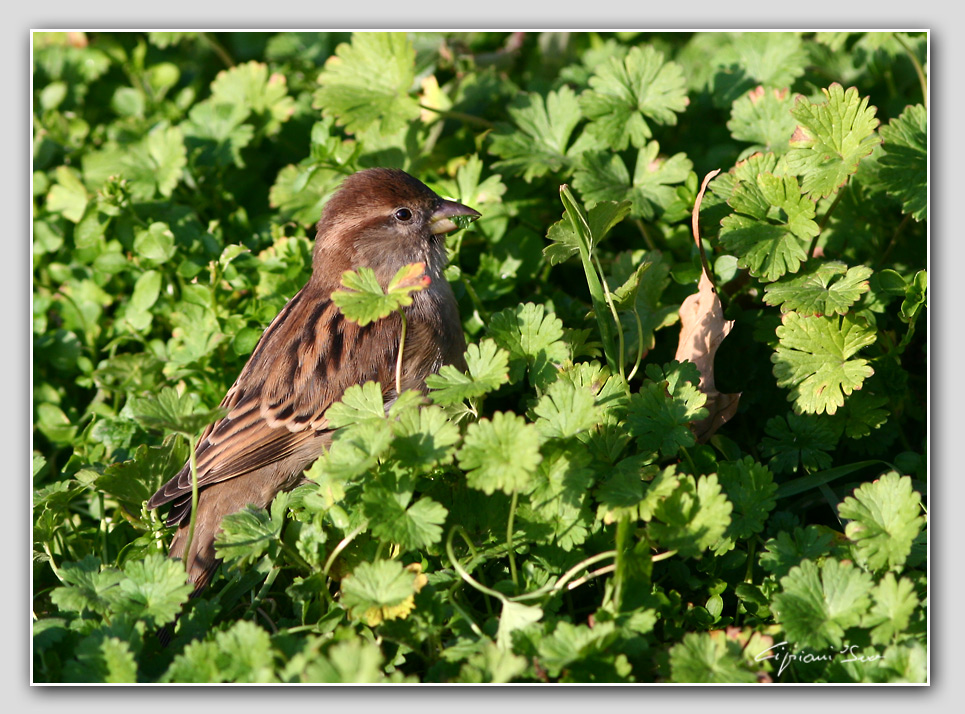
<point>441,219</point>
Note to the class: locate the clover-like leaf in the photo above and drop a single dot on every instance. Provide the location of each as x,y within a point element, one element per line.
<point>367,83</point>
<point>904,165</point>
<point>709,658</point>
<point>750,488</point>
<point>566,410</point>
<point>762,117</point>
<point>410,525</point>
<point>379,591</point>
<point>894,604</point>
<point>500,454</point>
<point>692,518</point>
<point>250,86</point>
<point>533,336</point>
<point>539,143</point>
<point>624,92</point>
<point>772,226</point>
<point>787,550</point>
<point>830,289</point>
<point>831,139</point>
<point>363,300</point>
<point>87,587</point>
<point>816,360</point>
<point>661,421</point>
<point>884,520</point>
<point>798,441</point>
<point>424,438</point>
<point>604,177</point>
<point>488,367</point>
<point>817,604</point>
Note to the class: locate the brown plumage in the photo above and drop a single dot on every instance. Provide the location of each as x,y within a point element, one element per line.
<point>309,355</point>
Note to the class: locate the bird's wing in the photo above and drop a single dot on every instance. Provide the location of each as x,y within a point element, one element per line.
<point>303,363</point>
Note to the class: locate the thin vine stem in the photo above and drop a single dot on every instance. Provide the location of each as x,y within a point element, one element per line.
<point>509,538</point>
<point>919,70</point>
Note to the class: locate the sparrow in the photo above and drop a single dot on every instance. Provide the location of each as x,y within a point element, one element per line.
<point>275,424</point>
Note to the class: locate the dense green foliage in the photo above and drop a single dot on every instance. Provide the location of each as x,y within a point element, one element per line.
<point>553,514</point>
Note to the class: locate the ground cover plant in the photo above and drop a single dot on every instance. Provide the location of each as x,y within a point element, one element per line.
<point>686,449</point>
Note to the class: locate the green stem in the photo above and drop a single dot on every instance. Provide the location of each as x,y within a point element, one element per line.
<point>459,116</point>
<point>100,503</point>
<point>824,222</point>
<point>219,50</point>
<point>620,566</point>
<point>398,361</point>
<point>476,302</point>
<point>608,296</point>
<point>646,235</point>
<point>919,70</point>
<point>509,538</point>
<point>463,573</point>
<point>639,359</point>
<point>342,545</point>
<point>193,460</point>
<point>567,576</point>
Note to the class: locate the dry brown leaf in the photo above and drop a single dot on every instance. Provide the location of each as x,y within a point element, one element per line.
<point>702,329</point>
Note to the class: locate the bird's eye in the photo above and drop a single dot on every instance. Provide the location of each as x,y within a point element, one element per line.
<point>403,214</point>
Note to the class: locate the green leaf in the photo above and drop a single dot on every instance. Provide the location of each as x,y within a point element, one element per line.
<point>916,293</point>
<point>379,591</point>
<point>366,83</point>
<point>242,653</point>
<point>816,359</point>
<point>102,658</point>
<point>68,197</point>
<point>360,403</point>
<point>750,488</point>
<point>246,534</point>
<point>798,441</point>
<point>363,301</point>
<point>762,117</point>
<point>221,131</point>
<point>816,605</point>
<point>822,291</point>
<point>831,139</point>
<point>170,411</point>
<point>411,525</point>
<point>709,658</point>
<point>604,177</point>
<point>662,422</point>
<point>625,91</point>
<point>894,604</point>
<point>538,144</point>
<point>488,368</point>
<point>884,520</point>
<point>501,454</point>
<point>566,410</point>
<point>744,60</point>
<point>153,588</point>
<point>424,438</point>
<point>533,336</point>
<point>904,165</point>
<point>250,87</point>
<point>515,616</point>
<point>692,518</point>
<point>772,227</point>
<point>87,587</point>
<point>789,549</point>
<point>155,244</point>
<point>600,220</point>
